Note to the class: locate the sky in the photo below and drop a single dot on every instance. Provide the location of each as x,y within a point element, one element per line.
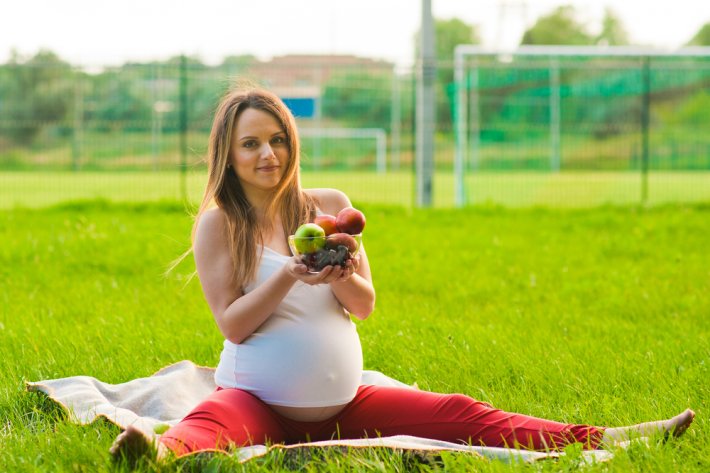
<point>102,32</point>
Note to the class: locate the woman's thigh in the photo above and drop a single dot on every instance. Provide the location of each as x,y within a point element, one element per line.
<point>226,417</point>
<point>385,411</point>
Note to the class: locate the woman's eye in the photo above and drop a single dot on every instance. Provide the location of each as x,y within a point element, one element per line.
<point>279,140</point>
<point>249,144</point>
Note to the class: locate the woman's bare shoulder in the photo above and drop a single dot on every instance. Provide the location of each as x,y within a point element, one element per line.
<point>211,226</point>
<point>330,201</point>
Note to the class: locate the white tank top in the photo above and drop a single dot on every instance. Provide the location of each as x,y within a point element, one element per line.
<point>306,354</point>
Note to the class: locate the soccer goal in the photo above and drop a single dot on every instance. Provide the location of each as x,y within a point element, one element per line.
<point>558,108</point>
<point>376,136</point>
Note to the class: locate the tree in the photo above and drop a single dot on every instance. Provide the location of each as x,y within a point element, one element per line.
<point>120,99</point>
<point>559,27</point>
<point>613,32</point>
<point>34,93</point>
<point>449,34</point>
<point>702,37</point>
<point>361,99</point>
<point>237,64</point>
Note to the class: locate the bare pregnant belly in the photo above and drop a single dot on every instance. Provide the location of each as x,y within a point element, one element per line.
<point>308,414</point>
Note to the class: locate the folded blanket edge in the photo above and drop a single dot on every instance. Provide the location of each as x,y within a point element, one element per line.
<point>38,387</point>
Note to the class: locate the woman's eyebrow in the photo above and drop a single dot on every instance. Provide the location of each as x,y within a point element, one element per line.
<point>280,132</point>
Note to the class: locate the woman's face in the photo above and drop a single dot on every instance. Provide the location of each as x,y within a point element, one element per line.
<point>259,151</point>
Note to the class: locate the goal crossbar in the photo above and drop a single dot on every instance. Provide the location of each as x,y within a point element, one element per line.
<point>378,134</point>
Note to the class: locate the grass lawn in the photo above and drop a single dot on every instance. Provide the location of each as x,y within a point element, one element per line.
<point>515,189</point>
<point>581,315</point>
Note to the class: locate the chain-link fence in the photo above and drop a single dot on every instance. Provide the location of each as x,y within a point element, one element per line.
<point>138,116</point>
<point>618,111</point>
<point>536,127</point>
<point>354,114</point>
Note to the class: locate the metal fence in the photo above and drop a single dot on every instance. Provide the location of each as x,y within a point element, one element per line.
<point>54,116</point>
<point>525,120</point>
<point>565,108</point>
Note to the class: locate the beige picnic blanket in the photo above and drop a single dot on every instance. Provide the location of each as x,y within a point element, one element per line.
<point>164,398</point>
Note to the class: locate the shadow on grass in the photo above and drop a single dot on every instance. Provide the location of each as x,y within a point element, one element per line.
<point>335,458</point>
<point>35,411</point>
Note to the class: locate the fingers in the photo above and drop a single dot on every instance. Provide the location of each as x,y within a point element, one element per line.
<point>347,271</point>
<point>310,277</point>
<point>296,267</point>
<point>350,268</point>
<point>327,275</point>
<point>355,262</point>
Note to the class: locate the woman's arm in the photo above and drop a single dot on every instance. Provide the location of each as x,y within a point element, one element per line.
<point>237,315</point>
<point>356,293</point>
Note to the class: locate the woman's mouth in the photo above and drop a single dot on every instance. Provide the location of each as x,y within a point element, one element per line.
<point>268,168</point>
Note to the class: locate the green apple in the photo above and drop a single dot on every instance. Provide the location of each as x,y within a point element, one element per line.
<point>309,238</point>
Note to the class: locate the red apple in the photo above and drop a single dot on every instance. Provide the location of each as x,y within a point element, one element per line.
<point>327,223</point>
<point>350,220</point>
<point>335,240</point>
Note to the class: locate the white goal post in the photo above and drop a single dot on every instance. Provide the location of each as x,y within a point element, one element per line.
<point>378,134</point>
<point>467,124</point>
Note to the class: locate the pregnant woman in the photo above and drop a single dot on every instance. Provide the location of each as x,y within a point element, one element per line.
<point>291,363</point>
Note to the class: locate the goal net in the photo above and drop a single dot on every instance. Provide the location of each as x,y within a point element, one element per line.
<point>344,148</point>
<point>567,108</point>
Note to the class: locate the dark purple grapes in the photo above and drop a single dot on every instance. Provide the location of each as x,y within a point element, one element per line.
<point>322,258</point>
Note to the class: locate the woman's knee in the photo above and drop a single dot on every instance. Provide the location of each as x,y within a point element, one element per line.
<point>227,417</point>
<point>461,405</point>
<point>464,400</point>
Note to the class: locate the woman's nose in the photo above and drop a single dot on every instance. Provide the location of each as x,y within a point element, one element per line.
<point>267,151</point>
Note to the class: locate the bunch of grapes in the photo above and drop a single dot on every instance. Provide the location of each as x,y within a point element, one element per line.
<point>324,257</point>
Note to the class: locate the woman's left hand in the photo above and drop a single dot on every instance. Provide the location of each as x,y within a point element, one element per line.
<point>350,268</point>
<point>332,274</point>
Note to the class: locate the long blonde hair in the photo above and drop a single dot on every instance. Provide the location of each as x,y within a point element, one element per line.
<point>225,190</point>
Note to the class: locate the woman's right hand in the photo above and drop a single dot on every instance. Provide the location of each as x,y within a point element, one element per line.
<point>299,271</point>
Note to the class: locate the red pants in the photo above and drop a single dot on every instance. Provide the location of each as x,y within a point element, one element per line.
<point>232,417</point>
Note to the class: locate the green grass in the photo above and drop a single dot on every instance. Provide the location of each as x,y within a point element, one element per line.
<point>515,189</point>
<point>582,315</point>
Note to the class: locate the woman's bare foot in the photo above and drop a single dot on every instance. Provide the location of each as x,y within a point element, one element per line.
<point>132,445</point>
<point>675,426</point>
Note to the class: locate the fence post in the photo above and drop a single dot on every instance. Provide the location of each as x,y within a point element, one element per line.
<point>156,127</point>
<point>78,121</point>
<point>645,122</point>
<point>183,127</point>
<point>425,112</point>
<point>475,117</point>
<point>460,117</point>
<point>395,121</point>
<point>555,115</point>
